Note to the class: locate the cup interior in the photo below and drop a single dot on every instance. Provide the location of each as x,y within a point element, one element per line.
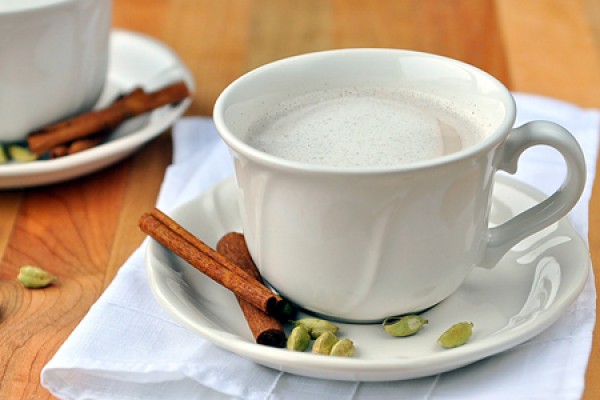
<point>462,86</point>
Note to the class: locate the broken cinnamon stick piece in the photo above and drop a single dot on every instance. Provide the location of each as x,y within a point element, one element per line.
<point>78,145</point>
<point>107,119</point>
<point>202,257</point>
<point>59,151</point>
<point>266,329</point>
<point>86,143</point>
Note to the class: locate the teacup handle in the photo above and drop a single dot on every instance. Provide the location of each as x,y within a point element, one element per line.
<point>503,237</point>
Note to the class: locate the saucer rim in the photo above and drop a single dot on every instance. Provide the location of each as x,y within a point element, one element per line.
<point>344,369</point>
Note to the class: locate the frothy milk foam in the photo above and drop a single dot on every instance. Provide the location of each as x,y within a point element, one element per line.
<point>364,127</point>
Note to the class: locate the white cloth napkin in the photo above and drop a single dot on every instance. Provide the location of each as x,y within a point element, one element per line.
<point>128,347</point>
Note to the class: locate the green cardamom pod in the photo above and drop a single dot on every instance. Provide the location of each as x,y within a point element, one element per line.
<point>20,153</point>
<point>343,348</point>
<point>287,312</point>
<point>456,335</point>
<point>299,339</point>
<point>35,277</point>
<point>3,157</point>
<point>324,343</point>
<point>407,325</point>
<point>316,327</point>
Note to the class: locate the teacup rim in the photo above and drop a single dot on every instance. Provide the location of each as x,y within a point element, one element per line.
<point>30,9</point>
<point>240,147</point>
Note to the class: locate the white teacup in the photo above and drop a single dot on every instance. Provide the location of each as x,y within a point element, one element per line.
<point>360,230</point>
<point>54,60</point>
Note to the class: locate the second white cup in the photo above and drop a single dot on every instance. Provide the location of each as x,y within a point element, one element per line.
<point>54,60</point>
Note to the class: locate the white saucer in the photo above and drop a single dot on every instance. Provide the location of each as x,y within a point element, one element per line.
<point>135,60</point>
<point>528,291</point>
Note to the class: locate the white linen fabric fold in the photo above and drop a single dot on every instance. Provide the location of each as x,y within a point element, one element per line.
<point>128,347</point>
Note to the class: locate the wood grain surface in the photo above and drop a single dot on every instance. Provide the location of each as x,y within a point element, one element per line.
<point>84,229</point>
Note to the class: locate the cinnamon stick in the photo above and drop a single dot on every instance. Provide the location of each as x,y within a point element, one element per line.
<point>265,329</point>
<point>216,266</point>
<point>127,106</point>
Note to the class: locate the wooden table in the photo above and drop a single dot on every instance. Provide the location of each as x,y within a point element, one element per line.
<point>83,230</point>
